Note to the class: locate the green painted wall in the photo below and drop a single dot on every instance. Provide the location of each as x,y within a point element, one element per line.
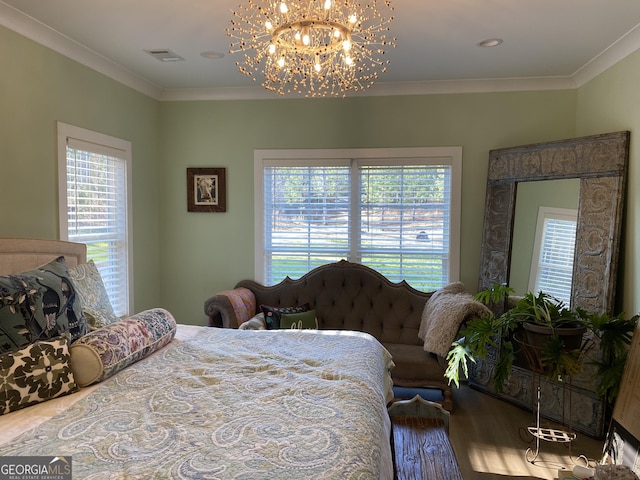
<point>179,257</point>
<point>39,87</point>
<point>203,253</point>
<point>609,103</point>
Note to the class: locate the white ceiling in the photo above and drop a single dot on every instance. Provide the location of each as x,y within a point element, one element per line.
<point>547,43</point>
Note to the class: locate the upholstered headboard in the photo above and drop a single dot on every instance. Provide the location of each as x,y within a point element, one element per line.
<point>20,254</point>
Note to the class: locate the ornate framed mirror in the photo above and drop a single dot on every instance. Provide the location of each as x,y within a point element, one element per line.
<point>600,164</point>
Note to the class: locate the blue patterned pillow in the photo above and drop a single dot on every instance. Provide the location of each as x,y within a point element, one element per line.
<point>91,290</point>
<point>38,305</point>
<point>34,374</point>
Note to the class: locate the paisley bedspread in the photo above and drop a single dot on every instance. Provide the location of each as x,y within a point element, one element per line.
<point>228,404</point>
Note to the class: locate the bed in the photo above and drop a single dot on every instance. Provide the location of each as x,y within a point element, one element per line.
<point>216,404</point>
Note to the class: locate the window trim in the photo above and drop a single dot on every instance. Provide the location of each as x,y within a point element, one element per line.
<point>65,131</point>
<point>451,155</point>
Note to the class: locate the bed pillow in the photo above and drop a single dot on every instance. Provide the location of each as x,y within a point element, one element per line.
<point>39,304</point>
<point>104,352</point>
<point>272,314</point>
<point>91,290</point>
<point>302,321</point>
<point>36,373</point>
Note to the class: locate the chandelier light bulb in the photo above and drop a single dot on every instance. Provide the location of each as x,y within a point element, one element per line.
<point>313,48</point>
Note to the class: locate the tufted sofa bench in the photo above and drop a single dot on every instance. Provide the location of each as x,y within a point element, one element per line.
<point>347,296</point>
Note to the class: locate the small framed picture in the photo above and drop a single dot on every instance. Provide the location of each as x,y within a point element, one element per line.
<point>206,190</point>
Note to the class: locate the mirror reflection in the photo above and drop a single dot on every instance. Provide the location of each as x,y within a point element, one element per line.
<point>544,237</point>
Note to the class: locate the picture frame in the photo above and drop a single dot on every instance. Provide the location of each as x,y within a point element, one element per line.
<point>206,190</point>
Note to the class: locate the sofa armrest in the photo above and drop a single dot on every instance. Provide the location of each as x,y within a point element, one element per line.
<point>231,308</point>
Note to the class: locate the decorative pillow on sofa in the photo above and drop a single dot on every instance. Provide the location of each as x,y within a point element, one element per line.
<point>254,323</point>
<point>272,314</point>
<point>39,304</point>
<point>95,300</point>
<point>302,321</point>
<point>104,352</point>
<point>34,374</point>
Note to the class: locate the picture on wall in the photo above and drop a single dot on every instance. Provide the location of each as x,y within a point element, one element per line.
<point>206,190</point>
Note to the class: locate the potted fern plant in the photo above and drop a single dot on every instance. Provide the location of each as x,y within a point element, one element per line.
<point>549,333</point>
<point>613,337</point>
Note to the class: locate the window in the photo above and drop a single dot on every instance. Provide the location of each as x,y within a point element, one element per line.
<point>94,172</point>
<point>395,210</point>
<point>553,252</point>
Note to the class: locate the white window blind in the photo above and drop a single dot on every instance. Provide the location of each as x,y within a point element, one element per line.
<point>96,206</point>
<point>554,247</point>
<point>306,218</point>
<point>392,214</point>
<point>404,222</point>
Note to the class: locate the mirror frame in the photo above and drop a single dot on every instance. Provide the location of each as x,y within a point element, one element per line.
<point>600,162</point>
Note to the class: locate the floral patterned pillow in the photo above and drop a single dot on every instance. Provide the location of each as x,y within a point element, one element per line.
<point>39,304</point>
<point>35,374</point>
<point>104,352</point>
<point>96,305</point>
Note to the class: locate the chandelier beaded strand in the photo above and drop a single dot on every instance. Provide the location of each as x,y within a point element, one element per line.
<point>314,48</point>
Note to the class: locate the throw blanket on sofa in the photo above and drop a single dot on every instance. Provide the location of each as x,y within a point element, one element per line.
<point>443,315</point>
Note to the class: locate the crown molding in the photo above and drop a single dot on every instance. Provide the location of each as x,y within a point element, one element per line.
<point>622,48</point>
<point>384,89</point>
<point>46,36</point>
<point>54,40</point>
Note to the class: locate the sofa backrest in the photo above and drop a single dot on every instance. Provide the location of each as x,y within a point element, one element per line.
<point>351,296</point>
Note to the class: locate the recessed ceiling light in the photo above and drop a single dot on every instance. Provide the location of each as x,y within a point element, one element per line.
<point>212,55</point>
<point>491,42</point>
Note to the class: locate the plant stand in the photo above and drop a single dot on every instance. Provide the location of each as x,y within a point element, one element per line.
<point>540,433</point>
<point>548,434</point>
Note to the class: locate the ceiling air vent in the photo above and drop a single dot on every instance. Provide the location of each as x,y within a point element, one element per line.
<point>164,55</point>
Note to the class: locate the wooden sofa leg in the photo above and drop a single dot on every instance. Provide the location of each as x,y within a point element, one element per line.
<point>447,403</point>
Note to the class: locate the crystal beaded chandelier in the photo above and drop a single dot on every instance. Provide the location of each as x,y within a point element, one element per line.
<point>314,48</point>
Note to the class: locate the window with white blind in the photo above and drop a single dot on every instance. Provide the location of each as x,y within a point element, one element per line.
<point>395,210</point>
<point>94,171</point>
<point>553,252</point>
